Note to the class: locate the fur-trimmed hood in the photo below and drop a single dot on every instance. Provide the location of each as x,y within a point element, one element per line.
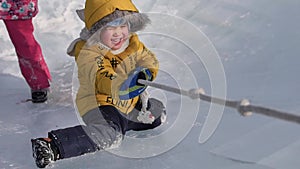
<point>98,13</point>
<point>137,21</point>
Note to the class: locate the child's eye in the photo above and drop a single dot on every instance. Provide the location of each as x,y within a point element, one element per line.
<point>123,26</point>
<point>109,28</point>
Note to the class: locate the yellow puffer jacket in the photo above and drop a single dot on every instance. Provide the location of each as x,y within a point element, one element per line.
<point>101,74</point>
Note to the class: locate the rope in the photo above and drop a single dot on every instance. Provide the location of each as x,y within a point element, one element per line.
<point>243,107</point>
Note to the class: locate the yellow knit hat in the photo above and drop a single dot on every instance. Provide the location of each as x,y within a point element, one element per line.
<point>96,10</point>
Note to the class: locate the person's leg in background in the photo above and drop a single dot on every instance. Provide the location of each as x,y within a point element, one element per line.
<point>31,60</point>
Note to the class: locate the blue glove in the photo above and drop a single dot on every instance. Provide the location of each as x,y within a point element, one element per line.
<point>131,88</point>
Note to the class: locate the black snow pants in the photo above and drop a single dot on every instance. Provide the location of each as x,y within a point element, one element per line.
<point>103,128</point>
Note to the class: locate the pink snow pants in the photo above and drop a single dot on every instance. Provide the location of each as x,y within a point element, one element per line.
<point>31,60</point>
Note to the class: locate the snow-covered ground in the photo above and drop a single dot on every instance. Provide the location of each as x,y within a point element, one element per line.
<point>233,48</point>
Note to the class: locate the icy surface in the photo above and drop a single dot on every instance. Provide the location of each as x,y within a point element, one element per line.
<point>258,47</point>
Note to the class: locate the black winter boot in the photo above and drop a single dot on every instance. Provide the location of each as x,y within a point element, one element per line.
<point>39,96</point>
<point>44,151</point>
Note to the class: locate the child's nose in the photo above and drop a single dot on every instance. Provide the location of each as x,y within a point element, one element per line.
<point>118,31</point>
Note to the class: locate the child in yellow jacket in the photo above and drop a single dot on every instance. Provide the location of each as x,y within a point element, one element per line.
<point>110,59</point>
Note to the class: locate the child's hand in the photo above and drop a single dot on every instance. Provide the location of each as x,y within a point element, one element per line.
<point>144,74</point>
<point>131,88</point>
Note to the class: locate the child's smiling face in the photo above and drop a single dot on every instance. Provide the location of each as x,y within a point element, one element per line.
<point>114,36</point>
